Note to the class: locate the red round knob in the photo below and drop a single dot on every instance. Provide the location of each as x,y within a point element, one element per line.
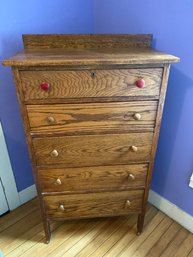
<point>45,86</point>
<point>140,83</point>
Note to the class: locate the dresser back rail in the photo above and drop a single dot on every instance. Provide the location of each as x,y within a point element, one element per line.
<point>86,41</point>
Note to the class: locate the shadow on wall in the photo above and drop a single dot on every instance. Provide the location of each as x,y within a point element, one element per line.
<point>11,118</point>
<point>179,87</point>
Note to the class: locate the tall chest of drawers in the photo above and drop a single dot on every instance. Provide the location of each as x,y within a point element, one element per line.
<point>91,107</point>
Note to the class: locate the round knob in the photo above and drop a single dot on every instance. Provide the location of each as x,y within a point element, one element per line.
<point>131,176</point>
<point>45,86</point>
<point>134,148</point>
<point>140,83</point>
<point>137,116</point>
<point>61,207</point>
<point>58,181</point>
<point>50,119</point>
<point>128,203</point>
<point>54,153</point>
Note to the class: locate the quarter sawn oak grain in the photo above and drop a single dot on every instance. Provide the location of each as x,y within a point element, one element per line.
<point>80,151</point>
<point>92,135</point>
<point>93,204</point>
<point>85,41</point>
<point>93,178</point>
<point>89,83</point>
<point>92,117</point>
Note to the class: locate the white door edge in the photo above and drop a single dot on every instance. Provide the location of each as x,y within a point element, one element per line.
<point>3,202</point>
<point>6,174</point>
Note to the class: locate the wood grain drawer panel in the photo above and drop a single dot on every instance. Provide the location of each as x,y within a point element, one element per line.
<point>96,150</point>
<point>93,204</point>
<point>79,84</point>
<point>93,178</point>
<point>92,118</point>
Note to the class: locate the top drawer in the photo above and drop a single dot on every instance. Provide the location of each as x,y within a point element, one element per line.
<point>86,83</point>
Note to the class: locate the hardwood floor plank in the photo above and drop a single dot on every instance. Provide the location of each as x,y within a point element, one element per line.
<point>186,247</point>
<point>174,244</point>
<point>97,226</point>
<point>60,234</point>
<point>165,239</point>
<point>23,235</point>
<point>100,238</point>
<point>190,254</point>
<point>143,249</point>
<point>115,236</point>
<point>130,249</point>
<point>14,232</point>
<point>128,238</point>
<point>36,240</point>
<point>67,244</point>
<point>14,216</point>
<point>87,238</point>
<point>17,242</point>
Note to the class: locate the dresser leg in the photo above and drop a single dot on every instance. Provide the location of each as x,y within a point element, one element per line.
<point>47,231</point>
<point>140,223</point>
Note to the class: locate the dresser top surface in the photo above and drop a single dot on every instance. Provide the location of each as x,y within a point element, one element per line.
<point>45,50</point>
<point>33,57</point>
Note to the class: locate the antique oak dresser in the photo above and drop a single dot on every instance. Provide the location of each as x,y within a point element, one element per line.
<point>91,107</point>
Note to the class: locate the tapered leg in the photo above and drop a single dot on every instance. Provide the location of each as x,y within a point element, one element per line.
<point>47,230</point>
<point>140,223</point>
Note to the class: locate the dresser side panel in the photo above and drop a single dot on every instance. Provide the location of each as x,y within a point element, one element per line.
<point>24,116</point>
<point>157,130</point>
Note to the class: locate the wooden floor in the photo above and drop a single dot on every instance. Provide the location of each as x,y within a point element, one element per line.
<point>21,234</point>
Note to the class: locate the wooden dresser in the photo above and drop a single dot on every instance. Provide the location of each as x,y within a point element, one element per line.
<point>91,107</point>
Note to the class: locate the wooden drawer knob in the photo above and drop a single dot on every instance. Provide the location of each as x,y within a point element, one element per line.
<point>128,203</point>
<point>131,176</point>
<point>54,153</point>
<point>134,148</point>
<point>45,86</point>
<point>140,83</point>
<point>50,120</point>
<point>58,181</point>
<point>137,116</point>
<point>61,207</point>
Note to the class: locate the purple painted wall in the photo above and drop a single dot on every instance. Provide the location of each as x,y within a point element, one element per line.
<point>17,18</point>
<point>171,22</point>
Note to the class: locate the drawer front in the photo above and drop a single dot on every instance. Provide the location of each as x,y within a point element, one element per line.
<point>92,118</point>
<point>93,204</point>
<point>93,178</point>
<point>101,83</point>
<point>96,150</point>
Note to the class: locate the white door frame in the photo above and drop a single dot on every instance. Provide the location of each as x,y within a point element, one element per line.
<point>6,175</point>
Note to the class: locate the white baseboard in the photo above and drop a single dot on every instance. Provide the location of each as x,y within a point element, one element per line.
<point>27,194</point>
<point>171,210</point>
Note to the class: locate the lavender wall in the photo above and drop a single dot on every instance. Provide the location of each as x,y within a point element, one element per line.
<point>32,16</point>
<point>171,22</point>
